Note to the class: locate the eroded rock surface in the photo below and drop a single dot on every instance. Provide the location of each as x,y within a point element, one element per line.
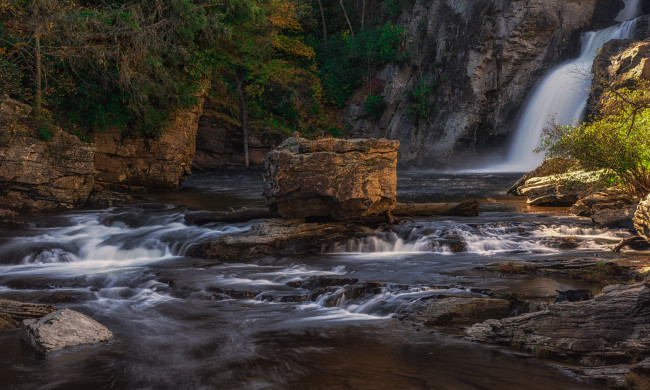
<point>562,189</point>
<point>642,219</point>
<point>275,237</point>
<point>63,329</point>
<point>340,179</point>
<point>138,163</point>
<point>456,310</point>
<point>610,207</point>
<point>38,174</point>
<point>611,330</point>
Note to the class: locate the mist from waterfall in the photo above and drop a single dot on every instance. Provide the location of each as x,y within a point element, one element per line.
<point>561,96</point>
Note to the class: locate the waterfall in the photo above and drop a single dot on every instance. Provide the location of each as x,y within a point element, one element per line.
<point>561,96</point>
<point>630,11</point>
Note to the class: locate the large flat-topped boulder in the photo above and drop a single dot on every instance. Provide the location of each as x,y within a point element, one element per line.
<point>341,179</point>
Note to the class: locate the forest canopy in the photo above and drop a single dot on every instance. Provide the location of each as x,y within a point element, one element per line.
<point>290,64</point>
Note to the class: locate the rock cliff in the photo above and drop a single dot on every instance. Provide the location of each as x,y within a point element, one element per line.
<point>478,59</point>
<point>138,163</point>
<point>36,174</point>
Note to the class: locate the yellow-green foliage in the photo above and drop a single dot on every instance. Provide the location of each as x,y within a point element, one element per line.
<point>618,140</point>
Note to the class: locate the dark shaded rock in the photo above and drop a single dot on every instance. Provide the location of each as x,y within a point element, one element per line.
<point>8,322</point>
<point>455,310</point>
<point>326,281</point>
<point>465,208</point>
<point>573,296</point>
<point>201,218</point>
<point>600,334</point>
<point>63,329</point>
<point>340,179</point>
<point>277,237</point>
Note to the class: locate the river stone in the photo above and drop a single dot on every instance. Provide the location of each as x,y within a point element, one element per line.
<point>341,179</point>
<point>642,219</point>
<point>562,189</point>
<point>601,333</point>
<point>62,329</point>
<point>456,310</point>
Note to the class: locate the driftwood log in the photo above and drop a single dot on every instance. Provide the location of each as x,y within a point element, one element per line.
<point>242,215</point>
<point>466,208</point>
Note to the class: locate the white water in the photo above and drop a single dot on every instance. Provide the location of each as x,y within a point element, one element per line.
<point>630,11</point>
<point>561,97</point>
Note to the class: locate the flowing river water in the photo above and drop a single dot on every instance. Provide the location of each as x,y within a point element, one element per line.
<point>186,323</point>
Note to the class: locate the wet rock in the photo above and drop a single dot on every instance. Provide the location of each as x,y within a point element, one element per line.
<point>8,322</point>
<point>326,281</point>
<point>467,311</point>
<point>465,208</point>
<point>562,189</point>
<point>277,237</point>
<point>573,296</point>
<point>63,329</point>
<point>340,179</point>
<point>22,310</point>
<point>600,334</point>
<point>642,219</point>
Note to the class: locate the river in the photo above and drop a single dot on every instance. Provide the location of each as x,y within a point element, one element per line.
<point>188,323</point>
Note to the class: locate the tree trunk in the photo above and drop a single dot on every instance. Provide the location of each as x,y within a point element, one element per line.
<point>322,16</point>
<point>346,18</point>
<point>39,90</point>
<point>363,13</point>
<point>243,113</point>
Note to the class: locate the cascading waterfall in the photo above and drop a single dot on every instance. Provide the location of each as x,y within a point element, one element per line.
<point>630,11</point>
<point>562,95</point>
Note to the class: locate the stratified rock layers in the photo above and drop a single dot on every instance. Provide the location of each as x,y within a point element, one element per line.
<point>341,179</point>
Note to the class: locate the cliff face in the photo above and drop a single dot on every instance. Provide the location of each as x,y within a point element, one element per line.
<point>39,175</point>
<point>137,164</point>
<point>477,61</point>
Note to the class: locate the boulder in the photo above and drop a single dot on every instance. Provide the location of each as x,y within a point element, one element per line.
<point>610,207</point>
<point>10,108</point>
<point>562,189</point>
<point>63,329</point>
<point>642,219</point>
<point>340,179</point>
<point>457,310</point>
<point>611,330</point>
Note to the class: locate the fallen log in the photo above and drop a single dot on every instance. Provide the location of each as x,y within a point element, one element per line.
<point>200,218</point>
<point>636,243</point>
<point>465,208</point>
<point>21,311</point>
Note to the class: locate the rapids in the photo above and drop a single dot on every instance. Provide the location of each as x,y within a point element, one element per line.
<point>183,322</point>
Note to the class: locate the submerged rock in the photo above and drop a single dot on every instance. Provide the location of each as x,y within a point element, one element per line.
<point>63,329</point>
<point>611,330</point>
<point>562,189</point>
<point>340,179</point>
<point>456,310</point>
<point>642,219</point>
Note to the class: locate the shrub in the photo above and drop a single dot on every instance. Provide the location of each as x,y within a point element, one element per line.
<point>375,106</point>
<point>618,140</point>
